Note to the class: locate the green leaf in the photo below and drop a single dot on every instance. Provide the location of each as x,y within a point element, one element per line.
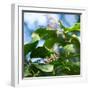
<point>44,67</point>
<point>26,71</point>
<point>46,34</point>
<point>50,42</point>
<point>29,47</point>
<point>61,25</point>
<point>75,27</point>
<point>40,52</point>
<point>35,37</point>
<point>70,48</point>
<point>75,41</point>
<point>51,37</point>
<point>71,68</point>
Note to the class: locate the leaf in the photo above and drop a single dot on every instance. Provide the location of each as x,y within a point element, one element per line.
<point>71,68</point>
<point>50,42</point>
<point>75,40</point>
<point>29,47</point>
<point>75,27</point>
<point>61,25</point>
<point>40,52</point>
<point>46,34</point>
<point>69,48</point>
<point>51,37</point>
<point>35,37</point>
<point>44,67</point>
<point>26,71</point>
<point>73,56</point>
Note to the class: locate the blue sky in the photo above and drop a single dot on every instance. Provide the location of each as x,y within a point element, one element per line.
<point>32,21</point>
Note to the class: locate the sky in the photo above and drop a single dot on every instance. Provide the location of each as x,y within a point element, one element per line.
<point>32,21</point>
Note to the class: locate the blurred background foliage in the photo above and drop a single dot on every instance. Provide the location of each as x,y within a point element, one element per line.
<point>53,48</point>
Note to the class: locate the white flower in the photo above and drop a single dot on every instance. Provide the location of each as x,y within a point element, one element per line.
<point>53,21</point>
